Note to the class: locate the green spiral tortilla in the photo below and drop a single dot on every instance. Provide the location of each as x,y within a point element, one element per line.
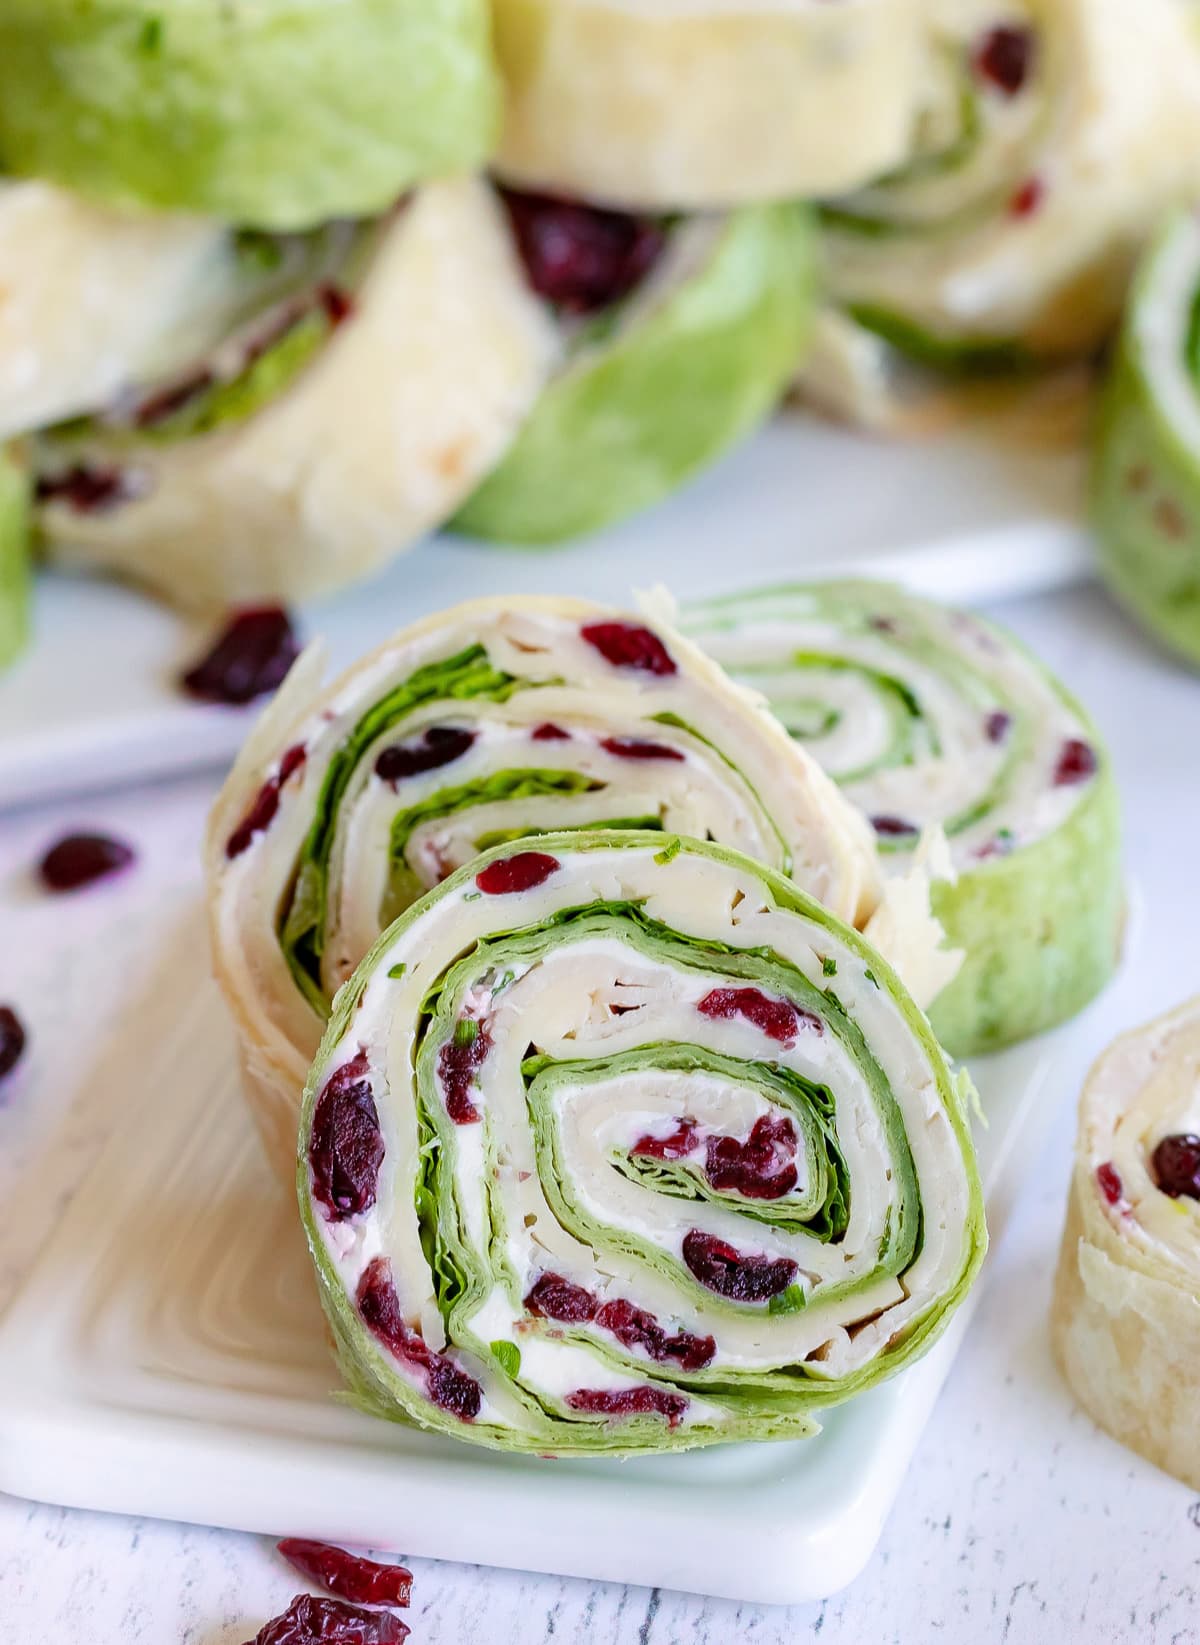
<point>928,717</point>
<point>621,1143</point>
<point>14,557</point>
<point>278,113</point>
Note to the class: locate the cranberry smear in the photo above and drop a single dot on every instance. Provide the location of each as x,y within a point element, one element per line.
<point>724,1270</point>
<point>676,1146</point>
<point>630,1402</point>
<point>893,827</point>
<point>309,1621</point>
<point>459,1060</point>
<point>581,257</point>
<point>1003,57</point>
<point>548,732</point>
<point>345,1148</point>
<point>1108,1182</point>
<point>350,1576</point>
<point>779,1020</point>
<point>80,859</point>
<point>634,1328</point>
<point>266,803</point>
<point>996,726</point>
<point>759,1168</point>
<point>439,745</point>
<point>165,402</point>
<point>553,1297</point>
<point>1175,1164</point>
<point>1028,198</point>
<point>249,658</point>
<point>519,873</point>
<point>626,645</point>
<point>12,1040</point>
<point>1076,763</point>
<point>85,489</point>
<point>630,748</point>
<point>448,1387</point>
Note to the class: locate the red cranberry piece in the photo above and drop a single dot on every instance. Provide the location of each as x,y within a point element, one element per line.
<point>79,859</point>
<point>445,1385</point>
<point>1028,198</point>
<point>86,489</point>
<point>680,1143</point>
<point>779,1020</point>
<point>1076,763</point>
<point>553,1297</point>
<point>760,1167</point>
<point>893,827</point>
<point>626,645</point>
<point>459,1060</point>
<point>724,1270</point>
<point>1175,1165</point>
<point>1108,1182</point>
<point>350,1576</point>
<point>266,803</point>
<point>165,402</point>
<point>12,1040</point>
<point>630,1402</point>
<point>519,873</point>
<point>996,726</point>
<point>634,1328</point>
<point>345,1149</point>
<point>1004,57</point>
<point>548,732</point>
<point>250,657</point>
<point>630,748</point>
<point>338,305</point>
<point>581,257</point>
<point>310,1621</point>
<point>439,745</point>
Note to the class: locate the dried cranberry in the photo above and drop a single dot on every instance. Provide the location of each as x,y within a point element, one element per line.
<point>439,745</point>
<point>79,859</point>
<point>760,1167</point>
<point>626,645</point>
<point>459,1060</point>
<point>634,1328</point>
<point>779,1020</point>
<point>338,305</point>
<point>86,489</point>
<point>250,657</point>
<point>519,873</point>
<point>630,748</point>
<point>724,1270</point>
<point>548,732</point>
<point>345,1148</point>
<point>553,1297</point>
<point>893,827</point>
<point>445,1385</point>
<point>1003,57</point>
<point>1108,1182</point>
<point>1175,1165</point>
<point>12,1040</point>
<point>165,402</point>
<point>309,1621</point>
<point>1076,763</point>
<point>630,1402</point>
<point>680,1143</point>
<point>997,725</point>
<point>350,1576</point>
<point>265,805</point>
<point>581,257</point>
<point>1027,198</point>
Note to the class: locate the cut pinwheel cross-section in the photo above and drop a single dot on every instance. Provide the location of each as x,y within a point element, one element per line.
<point>619,1142</point>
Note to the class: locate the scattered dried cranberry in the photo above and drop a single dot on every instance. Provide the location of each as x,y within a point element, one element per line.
<point>445,1385</point>
<point>80,859</point>
<point>1003,57</point>
<point>1028,198</point>
<point>1108,1182</point>
<point>553,1297</point>
<point>459,1060</point>
<point>519,873</point>
<point>997,725</point>
<point>548,732</point>
<point>250,657</point>
<point>630,748</point>
<point>581,257</point>
<point>630,1402</point>
<point>893,827</point>
<point>165,402</point>
<point>266,803</point>
<point>779,1020</point>
<point>439,745</point>
<point>1076,763</point>
<point>626,645</point>
<point>676,1146</point>
<point>86,489</point>
<point>309,1621</point>
<point>346,1149</point>
<point>350,1576</point>
<point>634,1328</point>
<point>724,1270</point>
<point>759,1168</point>
<point>337,304</point>
<point>12,1040</point>
<point>1175,1164</point>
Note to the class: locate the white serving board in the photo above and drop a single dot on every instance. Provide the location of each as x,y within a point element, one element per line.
<point>966,517</point>
<point>167,1357</point>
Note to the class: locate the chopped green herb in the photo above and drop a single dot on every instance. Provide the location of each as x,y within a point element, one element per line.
<point>398,970</point>
<point>151,36</point>
<point>828,966</point>
<point>466,1031</point>
<point>871,977</point>
<point>508,1357</point>
<point>472,896</point>
<point>787,1302</point>
<point>672,849</point>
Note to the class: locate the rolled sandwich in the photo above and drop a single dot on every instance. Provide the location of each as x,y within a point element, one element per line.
<point>496,720</point>
<point>1126,1314</point>
<point>279,114</point>
<point>929,718</point>
<point>658,105</point>
<point>678,338</point>
<point>14,557</point>
<point>328,430</point>
<point>618,1143</point>
<point>1146,467</point>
